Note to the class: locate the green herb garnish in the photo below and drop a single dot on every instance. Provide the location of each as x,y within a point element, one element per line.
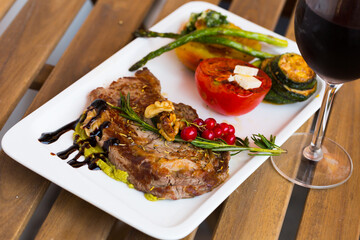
<point>211,19</point>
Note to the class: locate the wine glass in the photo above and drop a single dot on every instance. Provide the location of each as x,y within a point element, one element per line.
<point>328,35</point>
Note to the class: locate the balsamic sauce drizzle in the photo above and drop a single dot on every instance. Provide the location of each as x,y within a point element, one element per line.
<point>66,153</point>
<point>51,137</point>
<point>99,106</point>
<point>110,142</point>
<point>98,132</point>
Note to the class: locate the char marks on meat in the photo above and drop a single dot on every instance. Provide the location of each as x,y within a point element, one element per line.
<point>168,170</point>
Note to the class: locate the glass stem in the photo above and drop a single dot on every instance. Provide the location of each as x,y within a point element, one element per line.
<point>313,151</point>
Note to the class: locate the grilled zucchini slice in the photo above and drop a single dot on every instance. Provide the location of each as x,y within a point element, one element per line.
<point>273,97</point>
<point>288,92</point>
<point>280,93</point>
<point>292,70</point>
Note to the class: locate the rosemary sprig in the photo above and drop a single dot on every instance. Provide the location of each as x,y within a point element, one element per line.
<point>266,147</point>
<point>127,112</point>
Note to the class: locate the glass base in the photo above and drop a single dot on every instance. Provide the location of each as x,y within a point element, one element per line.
<point>332,170</point>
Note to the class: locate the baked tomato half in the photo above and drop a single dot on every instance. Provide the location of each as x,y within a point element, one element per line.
<point>224,96</point>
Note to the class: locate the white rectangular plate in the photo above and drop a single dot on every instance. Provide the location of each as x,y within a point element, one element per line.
<point>162,219</point>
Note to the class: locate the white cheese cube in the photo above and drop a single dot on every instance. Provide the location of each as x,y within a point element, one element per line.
<point>247,82</point>
<point>245,70</point>
<point>231,78</point>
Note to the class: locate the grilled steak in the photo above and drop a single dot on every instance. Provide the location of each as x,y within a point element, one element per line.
<point>166,169</point>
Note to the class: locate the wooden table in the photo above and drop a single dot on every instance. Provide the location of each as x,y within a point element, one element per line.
<point>256,210</point>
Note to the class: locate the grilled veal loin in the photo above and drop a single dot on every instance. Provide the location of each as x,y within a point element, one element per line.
<point>166,169</point>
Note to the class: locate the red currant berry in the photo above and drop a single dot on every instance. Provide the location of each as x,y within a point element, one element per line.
<point>189,133</point>
<point>217,131</point>
<point>230,139</point>
<point>208,134</point>
<point>210,123</point>
<point>225,128</point>
<point>199,122</point>
<point>231,130</point>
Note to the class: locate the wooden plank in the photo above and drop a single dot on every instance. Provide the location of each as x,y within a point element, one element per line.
<point>26,45</point>
<point>20,192</point>
<point>263,12</point>
<point>14,192</point>
<point>62,225</point>
<point>5,6</point>
<point>99,37</point>
<point>253,211</point>
<point>135,234</point>
<point>172,5</point>
<point>119,231</point>
<point>335,213</point>
<point>41,77</point>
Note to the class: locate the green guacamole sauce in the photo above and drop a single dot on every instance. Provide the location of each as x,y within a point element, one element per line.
<point>110,170</point>
<point>151,197</point>
<point>81,137</point>
<point>119,175</point>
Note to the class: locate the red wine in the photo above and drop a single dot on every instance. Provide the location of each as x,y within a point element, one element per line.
<point>328,35</point>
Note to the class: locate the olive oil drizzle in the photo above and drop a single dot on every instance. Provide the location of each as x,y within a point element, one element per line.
<point>85,145</point>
